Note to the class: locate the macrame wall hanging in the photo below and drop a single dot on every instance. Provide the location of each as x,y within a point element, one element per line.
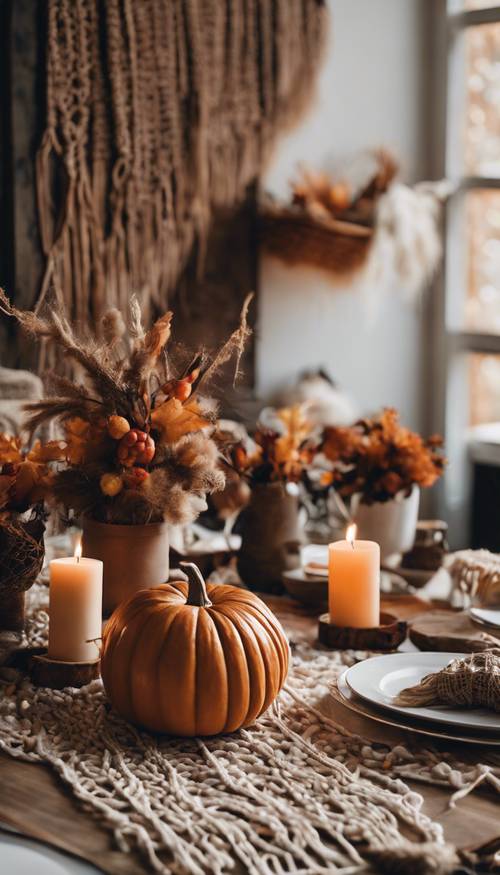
<point>157,112</point>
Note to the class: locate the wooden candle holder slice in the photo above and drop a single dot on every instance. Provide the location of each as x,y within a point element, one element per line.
<point>53,673</point>
<point>387,636</point>
<point>56,674</point>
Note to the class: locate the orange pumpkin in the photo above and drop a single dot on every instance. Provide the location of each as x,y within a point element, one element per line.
<point>193,659</point>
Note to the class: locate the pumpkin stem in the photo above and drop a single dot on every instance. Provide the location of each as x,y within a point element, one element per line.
<point>197,591</point>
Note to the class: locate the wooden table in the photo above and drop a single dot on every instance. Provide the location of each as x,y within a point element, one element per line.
<point>56,819</point>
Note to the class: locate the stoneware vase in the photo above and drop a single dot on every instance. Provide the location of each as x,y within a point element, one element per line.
<point>270,537</point>
<point>134,557</point>
<point>391,523</point>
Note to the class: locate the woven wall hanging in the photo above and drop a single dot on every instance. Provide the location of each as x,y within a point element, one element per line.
<point>158,111</point>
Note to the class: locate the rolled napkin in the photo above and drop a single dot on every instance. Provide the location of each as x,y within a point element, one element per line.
<point>472,681</point>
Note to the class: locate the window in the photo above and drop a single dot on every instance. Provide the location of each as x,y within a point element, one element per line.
<point>472,271</point>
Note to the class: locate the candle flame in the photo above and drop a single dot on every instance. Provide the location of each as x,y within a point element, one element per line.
<point>78,550</point>
<point>350,535</point>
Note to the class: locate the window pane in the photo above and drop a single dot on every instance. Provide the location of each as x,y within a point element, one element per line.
<point>482,229</point>
<point>482,117</point>
<point>484,388</point>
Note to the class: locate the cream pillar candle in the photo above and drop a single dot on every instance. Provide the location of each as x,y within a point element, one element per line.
<point>354,582</point>
<point>75,608</point>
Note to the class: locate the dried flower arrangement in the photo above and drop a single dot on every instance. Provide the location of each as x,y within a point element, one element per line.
<point>325,198</point>
<point>328,224</point>
<point>278,455</point>
<point>25,480</point>
<point>378,458</point>
<point>137,435</point>
<point>385,232</point>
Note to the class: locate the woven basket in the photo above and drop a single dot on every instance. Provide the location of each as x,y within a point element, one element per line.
<point>296,238</point>
<point>22,553</point>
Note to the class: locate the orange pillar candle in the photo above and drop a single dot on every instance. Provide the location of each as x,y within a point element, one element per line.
<point>75,608</point>
<point>354,582</point>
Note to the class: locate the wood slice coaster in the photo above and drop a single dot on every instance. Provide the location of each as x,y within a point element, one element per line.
<point>453,632</point>
<point>53,673</point>
<point>388,636</point>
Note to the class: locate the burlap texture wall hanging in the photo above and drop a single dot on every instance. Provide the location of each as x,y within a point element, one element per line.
<point>157,112</point>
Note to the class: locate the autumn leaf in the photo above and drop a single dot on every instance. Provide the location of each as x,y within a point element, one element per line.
<point>297,426</point>
<point>174,420</point>
<point>10,448</point>
<point>53,451</point>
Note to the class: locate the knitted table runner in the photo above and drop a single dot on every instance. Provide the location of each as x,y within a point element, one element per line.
<point>295,793</point>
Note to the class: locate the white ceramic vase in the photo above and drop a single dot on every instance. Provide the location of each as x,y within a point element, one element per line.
<point>392,524</point>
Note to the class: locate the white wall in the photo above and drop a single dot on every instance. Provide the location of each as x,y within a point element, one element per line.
<point>371,93</point>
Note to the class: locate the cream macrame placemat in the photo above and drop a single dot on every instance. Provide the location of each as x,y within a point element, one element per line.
<point>296,793</point>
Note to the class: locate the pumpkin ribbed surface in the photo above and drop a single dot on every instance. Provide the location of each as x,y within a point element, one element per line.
<point>188,669</point>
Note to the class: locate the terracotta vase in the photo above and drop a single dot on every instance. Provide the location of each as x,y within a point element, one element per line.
<point>134,557</point>
<point>270,537</point>
<point>391,523</point>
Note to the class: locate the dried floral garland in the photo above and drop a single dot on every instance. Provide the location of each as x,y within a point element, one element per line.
<point>379,458</point>
<point>157,111</point>
<point>137,445</point>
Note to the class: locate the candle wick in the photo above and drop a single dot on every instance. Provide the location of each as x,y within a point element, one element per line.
<point>77,560</point>
<point>352,543</point>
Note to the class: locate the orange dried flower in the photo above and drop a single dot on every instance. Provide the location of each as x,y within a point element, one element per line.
<point>136,448</point>
<point>281,455</point>
<point>25,475</point>
<point>379,457</point>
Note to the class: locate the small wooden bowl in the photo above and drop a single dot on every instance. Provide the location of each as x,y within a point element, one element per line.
<point>387,636</point>
<point>309,589</point>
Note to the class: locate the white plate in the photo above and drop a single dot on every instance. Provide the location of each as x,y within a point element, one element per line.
<point>350,701</point>
<point>314,559</point>
<point>486,616</point>
<point>380,679</point>
<point>23,856</point>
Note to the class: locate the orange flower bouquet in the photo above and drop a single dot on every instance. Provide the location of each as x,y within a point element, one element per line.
<point>379,458</point>
<point>281,454</point>
<point>137,445</point>
<point>137,437</point>
<point>269,525</point>
<point>381,466</point>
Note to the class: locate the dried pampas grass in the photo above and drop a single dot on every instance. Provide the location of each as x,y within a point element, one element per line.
<point>407,244</point>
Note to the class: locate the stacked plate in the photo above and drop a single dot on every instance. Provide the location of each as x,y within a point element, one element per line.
<point>486,617</point>
<point>370,687</point>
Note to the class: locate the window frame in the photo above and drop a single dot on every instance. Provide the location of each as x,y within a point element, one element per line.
<point>452,340</point>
